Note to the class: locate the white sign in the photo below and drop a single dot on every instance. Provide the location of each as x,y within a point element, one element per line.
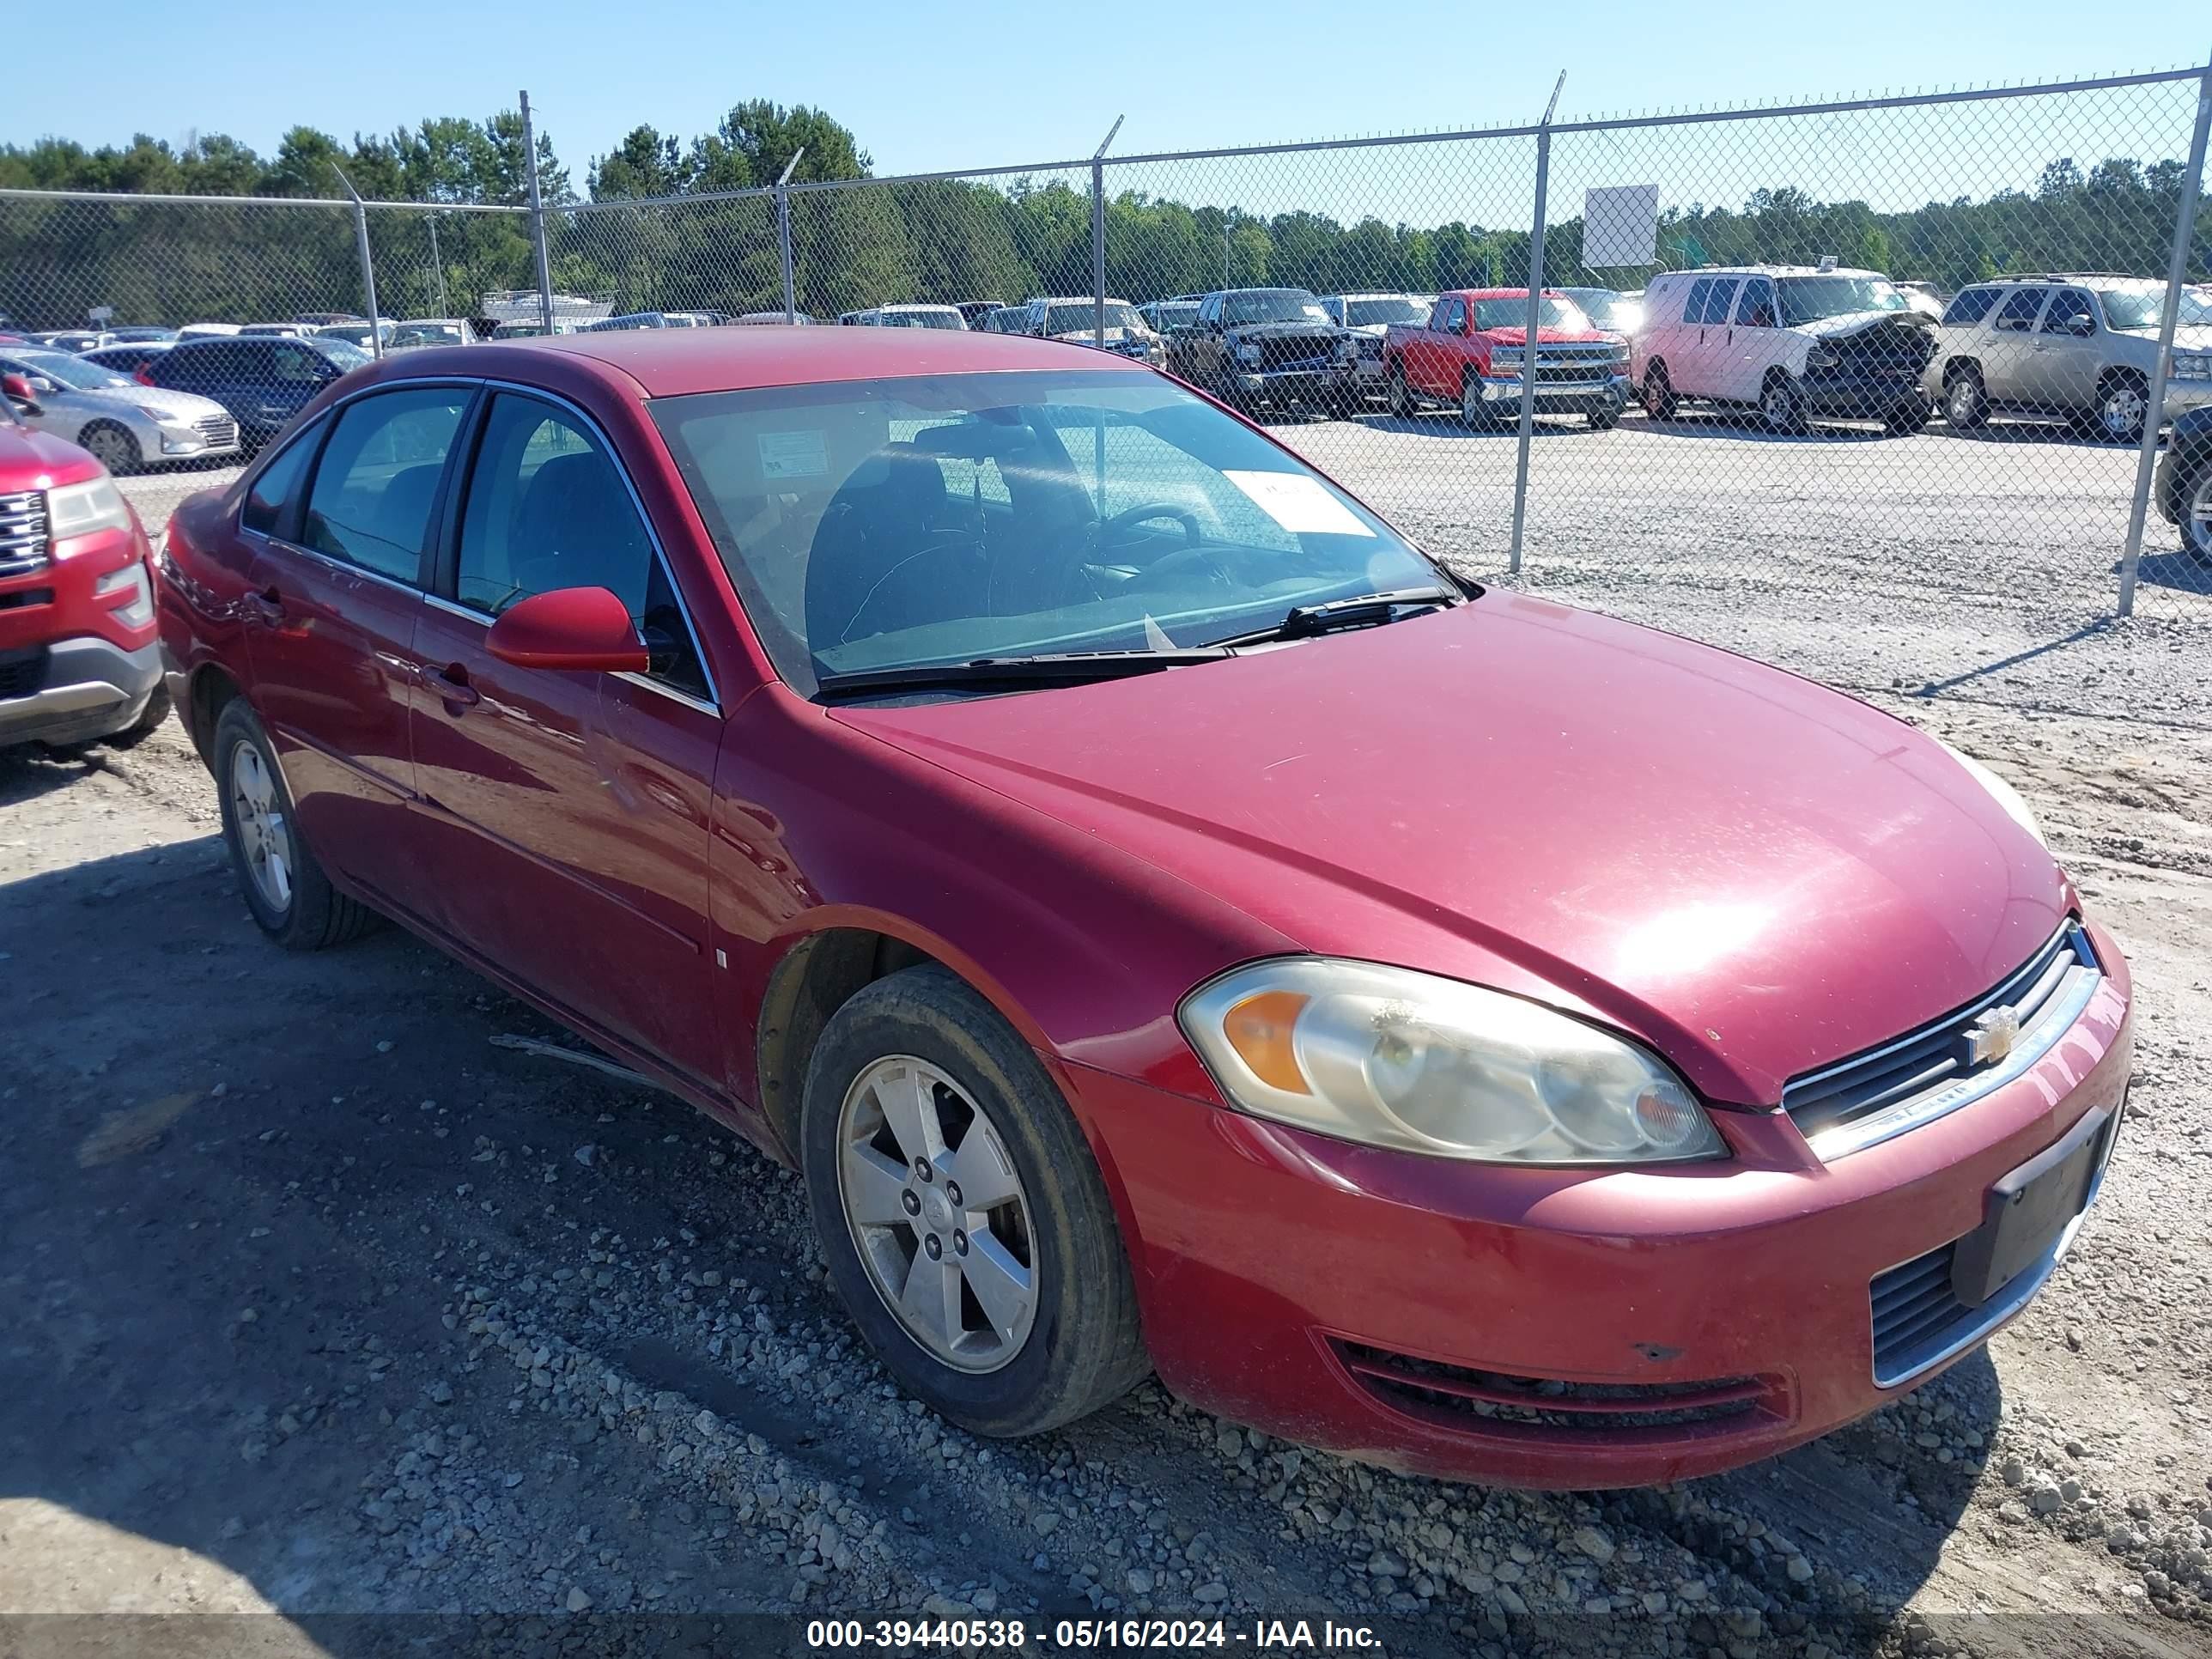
<point>1621,226</point>
<point>1298,503</point>
<point>100,314</point>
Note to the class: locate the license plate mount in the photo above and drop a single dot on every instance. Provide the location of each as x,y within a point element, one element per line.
<point>2027,1208</point>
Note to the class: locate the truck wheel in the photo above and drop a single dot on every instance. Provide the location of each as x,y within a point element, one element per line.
<point>291,899</point>
<point>965,1225</point>
<point>1401,395</point>
<point>1966,404</point>
<point>1603,416</point>
<point>2197,514</point>
<point>1476,415</point>
<point>1781,407</point>
<point>2123,405</point>
<point>1659,402</point>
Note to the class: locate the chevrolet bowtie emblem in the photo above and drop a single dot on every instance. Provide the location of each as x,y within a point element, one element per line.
<point>1990,1037</point>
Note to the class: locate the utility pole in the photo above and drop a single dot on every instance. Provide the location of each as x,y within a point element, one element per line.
<point>537,219</point>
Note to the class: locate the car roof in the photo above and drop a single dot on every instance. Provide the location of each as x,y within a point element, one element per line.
<point>676,363</point>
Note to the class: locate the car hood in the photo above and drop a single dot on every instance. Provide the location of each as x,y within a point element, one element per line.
<point>2187,337</point>
<point>188,404</point>
<point>1858,322</point>
<point>1755,875</point>
<point>31,459</point>
<point>1547,336</point>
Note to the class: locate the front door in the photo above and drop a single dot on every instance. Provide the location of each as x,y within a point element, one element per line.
<point>566,813</point>
<point>331,616</point>
<point>2064,363</point>
<point>1755,342</point>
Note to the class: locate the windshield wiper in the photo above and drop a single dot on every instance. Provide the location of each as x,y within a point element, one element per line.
<point>1050,668</point>
<point>1304,621</point>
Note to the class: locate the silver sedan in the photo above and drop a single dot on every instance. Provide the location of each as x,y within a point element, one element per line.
<point>127,426</point>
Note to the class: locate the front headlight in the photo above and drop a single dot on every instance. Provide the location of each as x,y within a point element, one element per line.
<point>163,416</point>
<point>1821,357</point>
<point>2003,792</point>
<point>1388,1057</point>
<point>1347,348</point>
<point>78,509</point>
<point>138,610</point>
<point>2192,366</point>
<point>1248,353</point>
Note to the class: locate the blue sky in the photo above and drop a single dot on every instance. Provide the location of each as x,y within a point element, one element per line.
<point>928,86</point>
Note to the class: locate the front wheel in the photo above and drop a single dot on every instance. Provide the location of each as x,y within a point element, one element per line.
<point>966,1227</point>
<point>1401,395</point>
<point>2123,406</point>
<point>1475,414</point>
<point>113,447</point>
<point>291,899</point>
<point>1782,407</point>
<point>1604,417</point>
<point>1659,402</point>
<point>2197,514</point>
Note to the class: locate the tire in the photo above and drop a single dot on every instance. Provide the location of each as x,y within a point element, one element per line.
<point>302,911</point>
<point>2123,405</point>
<point>1659,400</point>
<point>1078,1346</point>
<point>113,447</point>
<point>1603,416</point>
<point>1781,406</point>
<point>1965,402</point>
<point>148,722</point>
<point>1401,395</point>
<point>1475,414</point>
<point>1907,418</point>
<point>2195,498</point>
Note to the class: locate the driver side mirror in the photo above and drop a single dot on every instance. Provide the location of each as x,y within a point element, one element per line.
<point>17,390</point>
<point>2081,324</point>
<point>583,628</point>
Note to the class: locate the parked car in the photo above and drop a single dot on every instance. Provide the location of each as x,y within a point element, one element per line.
<point>1076,321</point>
<point>79,660</point>
<point>776,318</point>
<point>972,311</point>
<point>1608,309</point>
<point>2078,347</point>
<point>2184,481</point>
<point>142,334</point>
<point>419,331</point>
<point>1797,343</point>
<point>1255,346</point>
<point>1165,316</point>
<point>1469,354</point>
<point>124,425</point>
<point>128,359</point>
<point>1007,320</point>
<point>263,382</point>
<point>630,319</point>
<point>359,333</point>
<point>1367,318</point>
<point>208,330</point>
<point>907,316</point>
<point>276,330</point>
<point>315,321</point>
<point>1678,1063</point>
<point>74,340</point>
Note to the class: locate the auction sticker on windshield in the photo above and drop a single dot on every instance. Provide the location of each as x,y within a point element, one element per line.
<point>793,455</point>
<point>1298,503</point>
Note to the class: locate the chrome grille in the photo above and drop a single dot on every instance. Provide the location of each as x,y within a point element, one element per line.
<point>1297,352</point>
<point>1861,1102</point>
<point>23,532</point>
<point>217,431</point>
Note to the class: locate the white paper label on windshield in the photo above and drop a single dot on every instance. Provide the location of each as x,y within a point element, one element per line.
<point>1299,503</point>
<point>793,455</point>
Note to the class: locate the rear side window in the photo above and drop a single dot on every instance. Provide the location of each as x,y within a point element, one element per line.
<point>1693,308</point>
<point>1971,305</point>
<point>276,484</point>
<point>370,503</point>
<point>2018,311</point>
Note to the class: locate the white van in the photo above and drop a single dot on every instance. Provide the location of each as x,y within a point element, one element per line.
<point>1796,343</point>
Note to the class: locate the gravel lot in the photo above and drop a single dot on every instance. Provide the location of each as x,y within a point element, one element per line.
<point>312,1298</point>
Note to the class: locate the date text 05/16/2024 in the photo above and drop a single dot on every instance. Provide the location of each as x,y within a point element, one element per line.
<point>1156,1634</point>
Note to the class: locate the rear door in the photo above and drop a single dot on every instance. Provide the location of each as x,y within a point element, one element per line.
<point>565,812</point>
<point>339,525</point>
<point>1705,348</point>
<point>2008,371</point>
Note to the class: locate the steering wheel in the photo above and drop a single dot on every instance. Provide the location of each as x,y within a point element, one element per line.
<point>1130,518</point>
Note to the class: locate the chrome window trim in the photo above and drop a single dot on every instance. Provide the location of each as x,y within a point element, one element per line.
<point>2074,995</point>
<point>649,683</point>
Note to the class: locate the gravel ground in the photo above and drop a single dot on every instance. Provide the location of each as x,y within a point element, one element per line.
<point>314,1300</point>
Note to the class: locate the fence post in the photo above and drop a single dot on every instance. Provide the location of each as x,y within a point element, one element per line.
<point>1098,235</point>
<point>368,265</point>
<point>1535,320</point>
<point>783,237</point>
<point>536,219</point>
<point>2177,271</point>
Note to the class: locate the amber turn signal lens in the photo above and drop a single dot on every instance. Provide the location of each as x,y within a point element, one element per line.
<point>1259,1029</point>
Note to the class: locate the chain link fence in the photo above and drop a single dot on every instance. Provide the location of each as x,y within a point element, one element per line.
<point>1875,370</point>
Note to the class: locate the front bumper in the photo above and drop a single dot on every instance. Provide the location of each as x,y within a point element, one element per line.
<point>1334,1294</point>
<point>75,690</point>
<point>1560,397</point>
<point>2182,396</point>
<point>1868,396</point>
<point>1294,385</point>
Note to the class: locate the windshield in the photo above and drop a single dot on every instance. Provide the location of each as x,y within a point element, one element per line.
<point>428,334</point>
<point>946,318</point>
<point>1553,313</point>
<point>351,333</point>
<point>1175,315</point>
<point>1391,308</point>
<point>72,371</point>
<point>936,520</point>
<point>1607,309</point>
<point>2142,306</point>
<point>1810,299</point>
<point>1272,305</point>
<point>339,352</point>
<point>1080,318</point>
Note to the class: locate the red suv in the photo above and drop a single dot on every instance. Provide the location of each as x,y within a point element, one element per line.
<point>78,659</point>
<point>1172,924</point>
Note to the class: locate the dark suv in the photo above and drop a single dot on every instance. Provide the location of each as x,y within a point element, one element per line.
<point>263,382</point>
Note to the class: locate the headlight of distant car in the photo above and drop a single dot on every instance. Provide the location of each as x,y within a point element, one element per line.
<point>2003,792</point>
<point>166,416</point>
<point>1248,353</point>
<point>78,509</point>
<point>2192,366</point>
<point>1347,348</point>
<point>1392,1058</point>
<point>1821,357</point>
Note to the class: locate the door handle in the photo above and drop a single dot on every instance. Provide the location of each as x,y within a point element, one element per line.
<point>451,684</point>
<point>265,607</point>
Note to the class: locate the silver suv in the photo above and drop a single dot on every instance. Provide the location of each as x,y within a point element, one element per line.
<point>2074,345</point>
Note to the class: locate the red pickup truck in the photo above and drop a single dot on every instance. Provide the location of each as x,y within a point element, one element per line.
<point>79,662</point>
<point>1470,350</point>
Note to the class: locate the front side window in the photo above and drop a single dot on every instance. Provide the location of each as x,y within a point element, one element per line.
<point>933,520</point>
<point>373,489</point>
<point>1454,317</point>
<point>2067,304</point>
<point>546,508</point>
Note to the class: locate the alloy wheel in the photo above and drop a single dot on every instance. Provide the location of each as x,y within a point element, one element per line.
<point>2122,411</point>
<point>264,836</point>
<point>938,1213</point>
<point>1960,407</point>
<point>111,448</point>
<point>2197,519</point>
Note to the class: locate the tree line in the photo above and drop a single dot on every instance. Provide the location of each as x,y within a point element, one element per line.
<point>934,240</point>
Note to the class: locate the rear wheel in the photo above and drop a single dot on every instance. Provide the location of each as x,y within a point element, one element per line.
<point>1659,401</point>
<point>1477,414</point>
<point>292,899</point>
<point>966,1227</point>
<point>113,447</point>
<point>1965,403</point>
<point>2123,406</point>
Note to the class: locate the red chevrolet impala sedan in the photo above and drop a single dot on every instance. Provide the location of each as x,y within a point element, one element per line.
<point>1172,925</point>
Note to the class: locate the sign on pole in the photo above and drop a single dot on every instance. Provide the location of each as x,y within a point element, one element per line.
<point>1621,226</point>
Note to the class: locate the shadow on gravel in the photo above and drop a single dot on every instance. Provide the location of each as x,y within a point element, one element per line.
<point>28,771</point>
<point>2171,568</point>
